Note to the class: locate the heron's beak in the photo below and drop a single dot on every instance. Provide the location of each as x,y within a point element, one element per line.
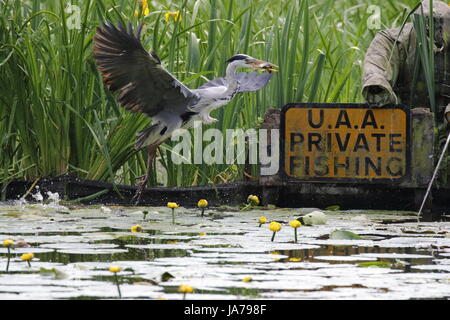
<point>266,66</point>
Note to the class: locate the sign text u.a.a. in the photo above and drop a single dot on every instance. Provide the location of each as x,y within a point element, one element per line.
<point>345,142</point>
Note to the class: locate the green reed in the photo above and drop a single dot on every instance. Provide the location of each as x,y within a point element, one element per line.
<point>56,117</point>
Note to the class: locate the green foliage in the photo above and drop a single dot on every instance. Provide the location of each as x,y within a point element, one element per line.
<point>56,117</point>
<point>375,264</point>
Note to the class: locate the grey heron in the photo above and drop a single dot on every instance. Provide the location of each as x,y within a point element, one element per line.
<point>145,86</point>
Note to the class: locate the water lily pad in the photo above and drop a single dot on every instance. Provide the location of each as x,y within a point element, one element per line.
<point>344,235</point>
<point>53,273</point>
<point>85,243</point>
<point>344,258</point>
<point>91,251</point>
<point>313,218</point>
<point>375,264</point>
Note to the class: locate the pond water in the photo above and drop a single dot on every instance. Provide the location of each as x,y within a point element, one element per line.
<point>223,255</point>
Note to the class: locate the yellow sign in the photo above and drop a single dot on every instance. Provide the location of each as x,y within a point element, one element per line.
<point>345,142</point>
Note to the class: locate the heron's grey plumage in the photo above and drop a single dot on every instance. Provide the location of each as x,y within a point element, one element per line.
<point>145,86</point>
<point>247,81</point>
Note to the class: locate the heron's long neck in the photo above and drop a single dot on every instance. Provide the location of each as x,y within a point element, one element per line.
<point>230,77</point>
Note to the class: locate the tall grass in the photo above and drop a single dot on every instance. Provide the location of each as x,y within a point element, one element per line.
<point>56,116</point>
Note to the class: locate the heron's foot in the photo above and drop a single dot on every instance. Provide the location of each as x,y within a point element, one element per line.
<point>137,196</point>
<point>209,120</point>
<point>141,179</point>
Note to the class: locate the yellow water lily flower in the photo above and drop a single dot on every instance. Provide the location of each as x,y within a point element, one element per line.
<point>294,259</point>
<point>247,279</point>
<point>115,269</point>
<point>174,14</point>
<point>295,223</point>
<point>274,226</point>
<point>185,289</point>
<point>262,220</point>
<point>173,205</point>
<point>8,243</point>
<point>27,256</point>
<point>253,200</point>
<point>202,234</point>
<point>136,228</point>
<point>202,203</point>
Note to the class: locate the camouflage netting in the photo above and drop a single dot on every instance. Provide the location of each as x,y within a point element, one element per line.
<point>391,59</point>
<point>394,73</point>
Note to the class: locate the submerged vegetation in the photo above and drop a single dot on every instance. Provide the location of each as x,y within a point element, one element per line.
<point>56,117</point>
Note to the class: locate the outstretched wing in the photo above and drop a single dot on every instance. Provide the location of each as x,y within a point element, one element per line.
<point>143,84</point>
<point>247,81</point>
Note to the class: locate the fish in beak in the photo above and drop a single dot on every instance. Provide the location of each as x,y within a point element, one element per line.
<point>266,66</point>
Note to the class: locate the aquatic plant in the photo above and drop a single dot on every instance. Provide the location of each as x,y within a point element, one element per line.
<point>252,201</point>
<point>8,243</point>
<point>137,228</point>
<point>185,289</point>
<point>202,204</point>
<point>295,224</point>
<point>115,270</point>
<point>274,227</point>
<point>262,220</point>
<point>173,206</point>
<point>27,257</point>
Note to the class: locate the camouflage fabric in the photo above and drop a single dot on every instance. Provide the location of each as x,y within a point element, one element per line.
<point>447,113</point>
<point>391,59</point>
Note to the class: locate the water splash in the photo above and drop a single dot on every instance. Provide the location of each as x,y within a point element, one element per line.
<point>105,209</point>
<point>38,196</point>
<point>54,199</point>
<point>21,203</point>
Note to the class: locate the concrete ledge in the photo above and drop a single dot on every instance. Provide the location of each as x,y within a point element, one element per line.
<point>318,195</point>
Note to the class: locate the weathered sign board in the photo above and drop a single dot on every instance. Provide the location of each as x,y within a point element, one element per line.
<point>345,143</point>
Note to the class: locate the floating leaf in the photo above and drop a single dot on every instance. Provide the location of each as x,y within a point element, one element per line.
<point>344,235</point>
<point>54,273</point>
<point>375,264</point>
<point>166,276</point>
<point>313,218</point>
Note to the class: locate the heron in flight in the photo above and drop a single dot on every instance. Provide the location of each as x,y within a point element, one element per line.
<point>143,85</point>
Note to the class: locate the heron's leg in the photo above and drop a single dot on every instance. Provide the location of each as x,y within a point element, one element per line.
<point>151,155</point>
<point>207,119</point>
